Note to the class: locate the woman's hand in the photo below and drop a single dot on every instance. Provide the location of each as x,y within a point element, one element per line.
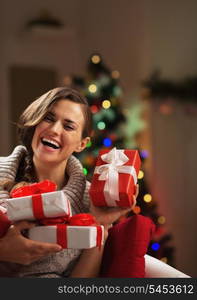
<point>108,215</point>
<point>14,247</point>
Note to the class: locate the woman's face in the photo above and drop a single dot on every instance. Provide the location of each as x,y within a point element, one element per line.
<point>59,134</point>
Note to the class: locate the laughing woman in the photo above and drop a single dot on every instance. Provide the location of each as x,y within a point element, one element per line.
<point>51,129</point>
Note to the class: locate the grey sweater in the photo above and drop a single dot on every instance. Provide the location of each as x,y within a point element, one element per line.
<point>76,190</point>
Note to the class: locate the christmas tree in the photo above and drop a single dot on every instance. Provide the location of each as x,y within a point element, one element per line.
<point>115,126</point>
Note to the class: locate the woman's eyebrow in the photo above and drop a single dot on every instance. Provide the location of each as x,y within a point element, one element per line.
<point>66,120</point>
<point>51,113</point>
<point>70,121</point>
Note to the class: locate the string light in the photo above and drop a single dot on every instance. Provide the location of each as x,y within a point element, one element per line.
<point>115,74</point>
<point>85,171</point>
<point>140,174</point>
<point>89,144</point>
<point>106,104</point>
<point>95,59</point>
<point>94,109</point>
<point>107,142</point>
<point>161,220</point>
<point>136,209</point>
<point>92,88</point>
<point>155,246</point>
<point>101,125</point>
<point>147,198</point>
<point>144,153</point>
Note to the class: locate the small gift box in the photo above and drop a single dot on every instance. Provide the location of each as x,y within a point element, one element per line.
<point>115,178</point>
<point>76,237</point>
<point>80,232</point>
<point>38,206</point>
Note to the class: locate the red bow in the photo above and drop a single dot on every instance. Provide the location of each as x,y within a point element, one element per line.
<point>44,186</point>
<point>76,220</point>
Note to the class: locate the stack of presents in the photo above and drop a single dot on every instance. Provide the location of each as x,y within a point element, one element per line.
<point>113,185</point>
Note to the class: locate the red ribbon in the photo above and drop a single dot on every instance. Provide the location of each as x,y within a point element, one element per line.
<point>62,235</point>
<point>82,220</point>
<point>37,206</point>
<point>45,186</point>
<point>99,236</point>
<point>54,221</point>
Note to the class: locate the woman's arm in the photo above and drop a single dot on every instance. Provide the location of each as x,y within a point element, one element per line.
<point>89,263</point>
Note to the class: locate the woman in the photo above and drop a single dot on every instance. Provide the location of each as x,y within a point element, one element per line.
<point>50,130</point>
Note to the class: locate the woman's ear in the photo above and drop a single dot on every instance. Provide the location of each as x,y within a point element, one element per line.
<point>82,144</point>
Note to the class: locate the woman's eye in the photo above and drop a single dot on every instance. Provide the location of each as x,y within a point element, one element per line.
<point>48,119</point>
<point>68,127</point>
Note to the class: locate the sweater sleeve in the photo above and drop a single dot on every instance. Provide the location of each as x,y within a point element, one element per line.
<point>86,198</point>
<point>8,169</point>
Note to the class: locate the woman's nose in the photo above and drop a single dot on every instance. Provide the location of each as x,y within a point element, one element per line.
<point>56,127</point>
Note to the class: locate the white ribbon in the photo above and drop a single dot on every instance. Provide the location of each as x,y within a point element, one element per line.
<point>109,172</point>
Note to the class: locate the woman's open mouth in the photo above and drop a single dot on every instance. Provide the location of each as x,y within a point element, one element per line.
<point>50,143</point>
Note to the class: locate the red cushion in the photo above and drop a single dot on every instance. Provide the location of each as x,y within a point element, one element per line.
<point>125,248</point>
<point>4,223</point>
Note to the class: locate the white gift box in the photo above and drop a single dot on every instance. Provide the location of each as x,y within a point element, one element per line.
<point>77,237</point>
<point>54,204</point>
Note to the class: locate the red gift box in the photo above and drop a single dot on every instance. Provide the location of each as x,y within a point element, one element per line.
<point>115,178</point>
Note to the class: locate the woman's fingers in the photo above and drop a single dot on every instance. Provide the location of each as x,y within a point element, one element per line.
<point>26,250</point>
<point>108,215</point>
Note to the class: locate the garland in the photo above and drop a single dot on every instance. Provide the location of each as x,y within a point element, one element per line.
<point>184,90</point>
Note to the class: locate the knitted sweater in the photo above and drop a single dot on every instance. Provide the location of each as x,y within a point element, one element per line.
<point>76,190</point>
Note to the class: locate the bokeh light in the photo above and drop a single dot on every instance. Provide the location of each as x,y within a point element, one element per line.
<point>95,59</point>
<point>85,171</point>
<point>115,74</point>
<point>92,88</point>
<point>106,104</point>
<point>161,220</point>
<point>140,174</point>
<point>107,142</point>
<point>136,209</point>
<point>147,198</point>
<point>101,125</point>
<point>155,246</point>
